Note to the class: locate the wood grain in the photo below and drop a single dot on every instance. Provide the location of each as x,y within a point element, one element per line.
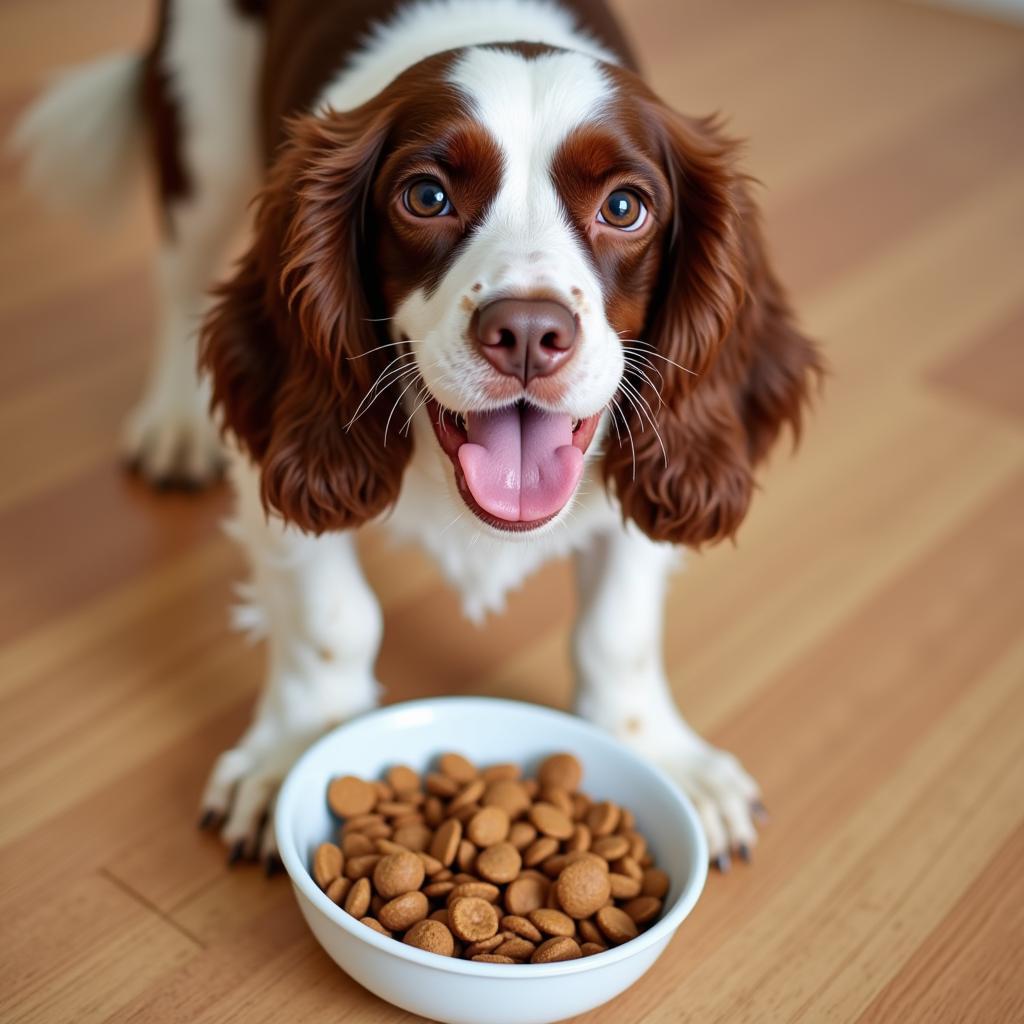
<point>860,648</point>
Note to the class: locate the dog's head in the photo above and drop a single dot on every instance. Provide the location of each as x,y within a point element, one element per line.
<point>523,246</point>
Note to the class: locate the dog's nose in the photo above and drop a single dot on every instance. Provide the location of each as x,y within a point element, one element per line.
<point>526,338</point>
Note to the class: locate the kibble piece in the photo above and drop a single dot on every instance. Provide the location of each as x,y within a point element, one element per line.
<point>357,903</point>
<point>442,785</point>
<point>637,845</point>
<point>431,935</point>
<point>440,915</point>
<point>583,888</point>
<point>348,796</point>
<point>499,863</point>
<point>327,864</point>
<point>589,931</point>
<point>384,791</point>
<point>403,779</point>
<point>623,887</point>
<point>522,927</point>
<point>431,866</point>
<point>488,826</point>
<point>643,909</point>
<point>616,925</point>
<point>611,847</point>
<point>361,867</point>
<point>580,806</point>
<point>517,948</point>
<point>550,821</point>
<point>482,890</point>
<point>395,809</point>
<point>493,958</point>
<point>552,922</point>
<point>355,844</point>
<point>521,834</point>
<point>457,767</point>
<point>413,837</point>
<point>540,850</point>
<point>628,866</point>
<point>655,883</point>
<point>468,796</point>
<point>557,797</point>
<point>495,772</point>
<point>433,811</point>
<point>438,890</point>
<point>485,945</point>
<point>556,949</point>
<point>404,911</point>
<point>372,922</point>
<point>338,890</point>
<point>509,795</point>
<point>580,840</point>
<point>525,894</point>
<point>603,818</point>
<point>362,822</point>
<point>590,948</point>
<point>466,857</point>
<point>473,919</point>
<point>398,873</point>
<point>627,820</point>
<point>445,843</point>
<point>562,770</point>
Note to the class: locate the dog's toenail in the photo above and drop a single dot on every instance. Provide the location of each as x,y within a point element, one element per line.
<point>744,852</point>
<point>723,863</point>
<point>235,855</point>
<point>271,866</point>
<point>208,817</point>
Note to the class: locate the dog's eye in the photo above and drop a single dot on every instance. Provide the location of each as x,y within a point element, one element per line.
<point>624,210</point>
<point>427,198</point>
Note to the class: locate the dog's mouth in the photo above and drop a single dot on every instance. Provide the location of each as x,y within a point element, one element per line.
<point>516,467</point>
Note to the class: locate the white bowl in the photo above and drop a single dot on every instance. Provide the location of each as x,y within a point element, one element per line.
<point>462,991</point>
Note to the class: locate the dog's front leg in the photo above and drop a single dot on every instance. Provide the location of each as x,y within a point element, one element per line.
<point>323,625</point>
<point>622,686</point>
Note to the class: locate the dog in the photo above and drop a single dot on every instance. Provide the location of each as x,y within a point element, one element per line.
<point>494,294</point>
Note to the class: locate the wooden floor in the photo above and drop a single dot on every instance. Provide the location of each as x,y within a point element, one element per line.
<point>861,648</point>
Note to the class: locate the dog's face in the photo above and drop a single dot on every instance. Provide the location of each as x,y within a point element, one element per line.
<point>513,243</point>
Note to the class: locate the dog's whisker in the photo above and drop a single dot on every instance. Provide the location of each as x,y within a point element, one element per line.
<point>390,344</point>
<point>632,368</point>
<point>629,433</point>
<point>657,355</point>
<point>395,406</point>
<point>629,393</point>
<point>421,399</point>
<point>376,389</point>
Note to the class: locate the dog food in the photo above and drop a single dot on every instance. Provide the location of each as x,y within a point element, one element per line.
<point>487,865</point>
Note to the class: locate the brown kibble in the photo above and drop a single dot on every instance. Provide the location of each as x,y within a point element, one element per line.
<point>511,796</point>
<point>472,919</point>
<point>372,922</point>
<point>517,948</point>
<point>361,867</point>
<point>445,843</point>
<point>338,890</point>
<point>355,844</point>
<point>558,798</point>
<point>398,873</point>
<point>442,786</point>
<point>467,796</point>
<point>481,890</point>
<point>637,846</point>
<point>497,772</point>
<point>589,931</point>
<point>404,911</point>
<point>464,813</point>
<point>457,767</point>
<point>362,822</point>
<point>431,935</point>
<point>522,927</point>
<point>555,949</point>
<point>603,818</point>
<point>499,863</point>
<point>433,811</point>
<point>438,890</point>
<point>403,779</point>
<point>413,837</point>
<point>611,847</point>
<point>384,791</point>
<point>375,904</point>
<point>552,922</point>
<point>550,821</point>
<point>628,866</point>
<point>440,915</point>
<point>357,903</point>
<point>616,925</point>
<point>395,809</point>
<point>431,865</point>
<point>540,850</point>
<point>466,857</point>
<point>484,945</point>
<point>580,806</point>
<point>525,894</point>
<point>623,887</point>
<point>627,821</point>
<point>655,883</point>
<point>583,888</point>
<point>386,846</point>
<point>328,860</point>
<point>488,826</point>
<point>521,834</point>
<point>493,958</point>
<point>643,909</point>
<point>590,948</point>
<point>579,841</point>
<point>348,796</point>
<point>562,770</point>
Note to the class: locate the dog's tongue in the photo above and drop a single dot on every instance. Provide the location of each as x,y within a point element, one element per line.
<point>520,463</point>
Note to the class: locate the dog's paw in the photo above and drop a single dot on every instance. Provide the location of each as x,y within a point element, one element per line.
<point>172,443</point>
<point>727,799</point>
<point>240,794</point>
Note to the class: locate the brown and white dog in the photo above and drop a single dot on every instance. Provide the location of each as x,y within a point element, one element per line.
<point>496,294</point>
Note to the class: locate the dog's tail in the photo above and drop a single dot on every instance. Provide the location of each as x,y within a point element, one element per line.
<point>84,139</point>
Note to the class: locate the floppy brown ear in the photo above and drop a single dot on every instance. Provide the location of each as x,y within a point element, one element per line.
<point>290,345</point>
<point>723,366</point>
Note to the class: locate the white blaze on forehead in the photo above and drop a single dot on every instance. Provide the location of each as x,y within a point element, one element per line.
<point>530,106</point>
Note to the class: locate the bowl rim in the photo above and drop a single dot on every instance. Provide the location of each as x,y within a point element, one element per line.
<point>302,879</point>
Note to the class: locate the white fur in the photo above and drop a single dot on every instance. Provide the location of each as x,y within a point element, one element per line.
<point>307,595</point>
<point>83,139</point>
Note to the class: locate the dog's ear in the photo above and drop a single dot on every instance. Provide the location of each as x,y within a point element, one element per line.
<point>723,366</point>
<point>290,343</point>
